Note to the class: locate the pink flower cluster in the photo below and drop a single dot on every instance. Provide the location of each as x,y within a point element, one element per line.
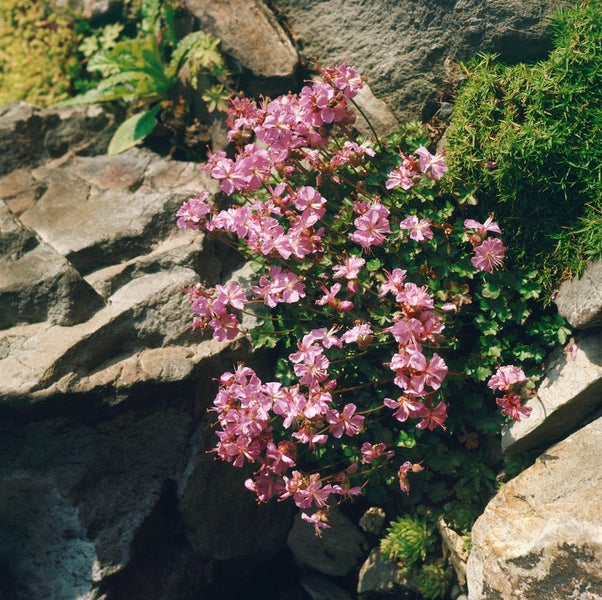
<point>510,379</point>
<point>415,323</point>
<point>247,409</point>
<point>282,165</point>
<point>411,169</point>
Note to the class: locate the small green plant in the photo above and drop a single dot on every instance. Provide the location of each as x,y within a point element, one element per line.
<point>408,539</point>
<point>527,139</point>
<point>38,52</point>
<point>432,581</point>
<point>145,72</point>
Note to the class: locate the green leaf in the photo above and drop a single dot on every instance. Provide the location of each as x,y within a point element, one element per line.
<point>133,130</point>
<point>374,265</point>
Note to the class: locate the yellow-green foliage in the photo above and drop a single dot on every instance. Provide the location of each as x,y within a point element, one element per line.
<point>37,52</point>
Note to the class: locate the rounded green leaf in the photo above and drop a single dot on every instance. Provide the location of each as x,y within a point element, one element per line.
<point>133,130</point>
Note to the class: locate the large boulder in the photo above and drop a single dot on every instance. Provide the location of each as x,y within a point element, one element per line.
<point>401,47</point>
<point>541,535</point>
<point>250,33</point>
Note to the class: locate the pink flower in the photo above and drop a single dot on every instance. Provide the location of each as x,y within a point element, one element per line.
<point>414,298</point>
<point>344,78</point>
<point>489,255</point>
<point>433,417</point>
<point>432,165</point>
<point>225,326</point>
<point>505,377</point>
<point>230,294</point>
<point>265,485</point>
<point>435,372</point>
<point>419,230</point>
<point>350,269</point>
<point>511,405</point>
<point>400,177</point>
<point>329,299</point>
<point>394,282</point>
<point>371,452</point>
<point>281,457</point>
<point>346,422</point>
<point>405,408</point>
<point>402,474</point>
<point>372,226</point>
<point>482,228</point>
<point>193,212</point>
<point>361,333</point>
<point>318,519</point>
<point>306,491</point>
<point>279,286</point>
<point>313,369</point>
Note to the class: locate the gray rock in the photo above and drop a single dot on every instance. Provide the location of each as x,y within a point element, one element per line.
<point>541,535</point>
<point>248,32</point>
<point>570,392</point>
<point>30,135</point>
<point>92,9</point>
<point>336,553</point>
<point>373,520</point>
<point>373,116</point>
<point>36,282</point>
<point>455,548</point>
<point>96,224</point>
<point>400,47</point>
<point>379,575</point>
<point>215,529</point>
<point>44,550</point>
<point>579,301</point>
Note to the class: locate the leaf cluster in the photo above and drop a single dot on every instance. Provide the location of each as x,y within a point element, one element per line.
<point>410,541</point>
<point>528,139</point>
<point>144,72</point>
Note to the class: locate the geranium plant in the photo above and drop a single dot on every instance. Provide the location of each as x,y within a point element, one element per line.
<point>388,308</point>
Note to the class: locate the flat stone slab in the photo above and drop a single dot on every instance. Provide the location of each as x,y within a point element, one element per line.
<point>541,535</point>
<point>32,357</point>
<point>98,211</point>
<point>570,392</point>
<point>36,282</point>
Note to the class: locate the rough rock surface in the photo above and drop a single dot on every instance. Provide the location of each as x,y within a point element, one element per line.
<point>379,575</point>
<point>30,135</point>
<point>401,47</point>
<point>568,395</point>
<point>36,282</point>
<point>106,490</point>
<point>238,24</point>
<point>579,301</point>
<point>541,536</point>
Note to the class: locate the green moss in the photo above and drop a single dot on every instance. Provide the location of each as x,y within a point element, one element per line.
<point>38,47</point>
<point>528,140</point>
